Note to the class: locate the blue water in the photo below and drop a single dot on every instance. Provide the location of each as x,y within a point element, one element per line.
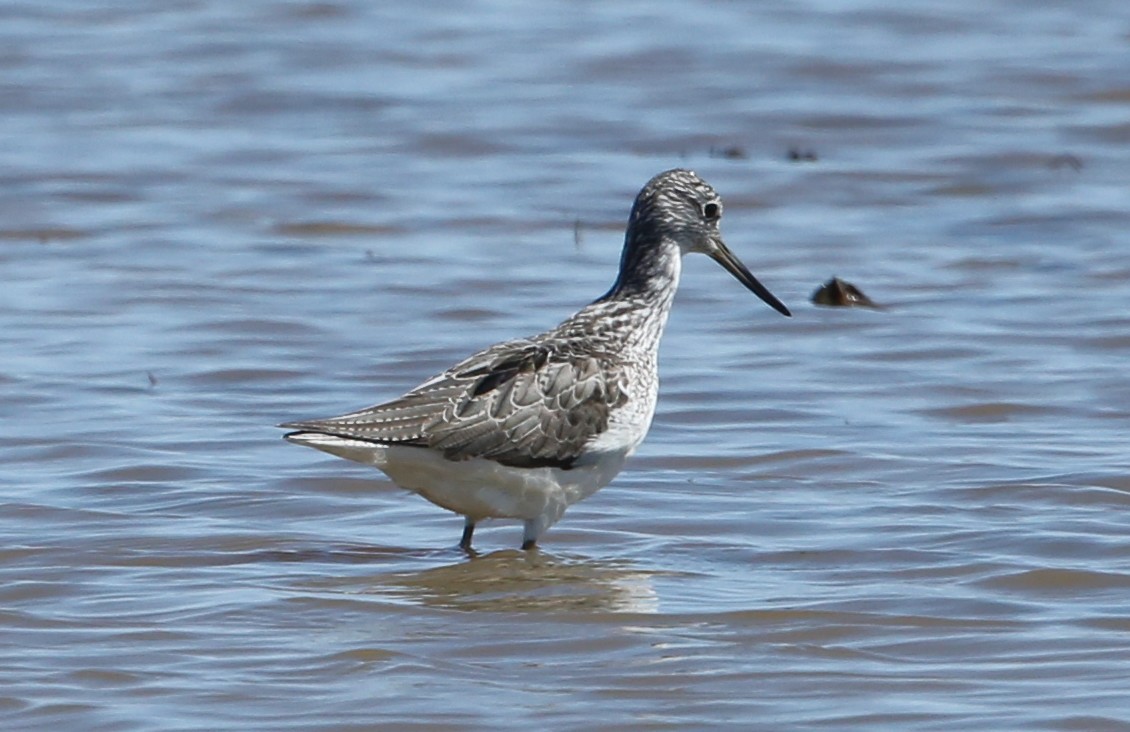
<point>216,217</point>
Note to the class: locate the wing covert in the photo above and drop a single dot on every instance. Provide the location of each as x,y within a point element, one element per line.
<point>520,403</point>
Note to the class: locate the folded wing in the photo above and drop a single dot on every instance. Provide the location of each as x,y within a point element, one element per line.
<point>520,403</point>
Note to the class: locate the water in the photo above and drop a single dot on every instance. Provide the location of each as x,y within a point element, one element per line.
<point>218,216</point>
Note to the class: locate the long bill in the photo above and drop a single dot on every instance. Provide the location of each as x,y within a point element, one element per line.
<point>721,254</point>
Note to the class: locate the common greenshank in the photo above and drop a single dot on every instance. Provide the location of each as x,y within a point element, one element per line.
<point>528,427</point>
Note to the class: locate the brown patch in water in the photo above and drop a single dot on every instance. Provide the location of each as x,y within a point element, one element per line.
<point>839,293</point>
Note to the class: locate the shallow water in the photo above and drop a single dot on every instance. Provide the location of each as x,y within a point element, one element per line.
<point>216,217</point>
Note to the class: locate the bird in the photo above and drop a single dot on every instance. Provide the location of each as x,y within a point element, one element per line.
<point>527,427</point>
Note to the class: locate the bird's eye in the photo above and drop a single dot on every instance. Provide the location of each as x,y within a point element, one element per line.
<point>712,210</point>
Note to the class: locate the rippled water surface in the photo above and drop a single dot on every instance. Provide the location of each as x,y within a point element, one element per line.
<point>218,216</point>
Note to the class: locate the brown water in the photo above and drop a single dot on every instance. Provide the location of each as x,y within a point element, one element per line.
<point>218,216</point>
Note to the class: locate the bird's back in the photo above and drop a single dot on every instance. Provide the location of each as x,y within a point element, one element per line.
<point>531,402</point>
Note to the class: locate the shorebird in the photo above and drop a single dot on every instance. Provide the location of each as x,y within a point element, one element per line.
<point>525,428</point>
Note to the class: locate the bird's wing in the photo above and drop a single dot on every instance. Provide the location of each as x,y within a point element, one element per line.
<point>522,403</point>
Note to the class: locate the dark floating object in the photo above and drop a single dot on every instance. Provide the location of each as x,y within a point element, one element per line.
<point>835,293</point>
<point>1066,160</point>
<point>730,152</point>
<point>798,155</point>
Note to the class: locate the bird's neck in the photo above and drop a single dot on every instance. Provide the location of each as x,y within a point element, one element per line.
<point>637,306</point>
<point>649,275</point>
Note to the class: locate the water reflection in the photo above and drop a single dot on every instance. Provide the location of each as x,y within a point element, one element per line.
<point>502,581</point>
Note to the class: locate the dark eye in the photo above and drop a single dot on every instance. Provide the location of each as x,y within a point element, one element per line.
<point>712,210</point>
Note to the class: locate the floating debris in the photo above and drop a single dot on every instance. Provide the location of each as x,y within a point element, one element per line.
<point>798,155</point>
<point>836,293</point>
<point>729,152</point>
<point>1066,160</point>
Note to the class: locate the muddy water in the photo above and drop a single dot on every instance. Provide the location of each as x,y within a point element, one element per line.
<point>218,216</point>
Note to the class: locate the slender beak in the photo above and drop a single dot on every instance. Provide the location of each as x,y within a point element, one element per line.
<point>721,254</point>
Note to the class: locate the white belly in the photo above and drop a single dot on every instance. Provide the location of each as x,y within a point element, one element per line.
<point>480,488</point>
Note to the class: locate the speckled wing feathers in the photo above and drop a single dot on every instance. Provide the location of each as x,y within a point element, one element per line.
<point>524,403</point>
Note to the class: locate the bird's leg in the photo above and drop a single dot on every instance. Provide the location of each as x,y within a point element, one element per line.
<point>530,532</point>
<point>468,531</point>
